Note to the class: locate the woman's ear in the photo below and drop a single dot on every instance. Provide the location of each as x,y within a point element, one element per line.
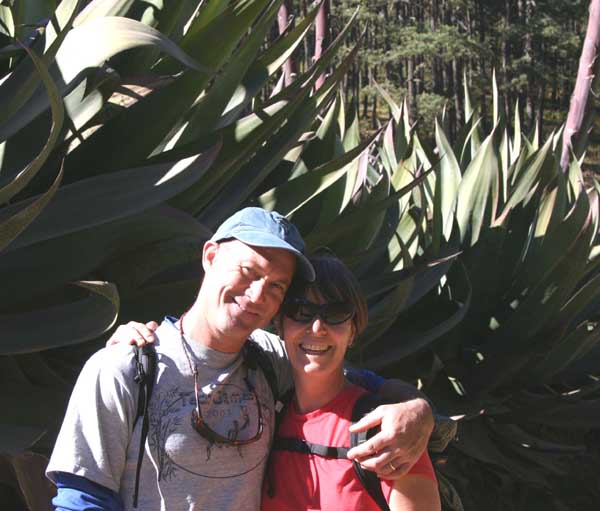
<point>352,335</point>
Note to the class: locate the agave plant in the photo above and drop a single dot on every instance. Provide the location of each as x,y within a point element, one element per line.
<point>477,256</point>
<point>514,356</point>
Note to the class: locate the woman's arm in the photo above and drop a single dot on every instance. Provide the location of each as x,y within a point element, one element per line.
<point>415,493</point>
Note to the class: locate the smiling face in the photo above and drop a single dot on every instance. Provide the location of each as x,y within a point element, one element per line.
<point>316,347</point>
<point>243,288</point>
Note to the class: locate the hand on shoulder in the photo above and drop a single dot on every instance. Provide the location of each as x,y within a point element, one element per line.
<point>134,333</point>
<point>405,430</point>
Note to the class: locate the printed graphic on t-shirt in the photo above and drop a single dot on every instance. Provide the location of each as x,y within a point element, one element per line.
<point>230,410</point>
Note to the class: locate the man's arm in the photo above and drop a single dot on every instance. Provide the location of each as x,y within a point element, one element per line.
<point>405,427</point>
<point>394,390</point>
<point>77,493</point>
<point>92,443</point>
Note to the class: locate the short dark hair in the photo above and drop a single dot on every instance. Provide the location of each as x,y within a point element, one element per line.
<point>335,283</point>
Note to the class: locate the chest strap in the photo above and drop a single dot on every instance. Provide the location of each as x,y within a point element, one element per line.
<point>369,480</point>
<point>304,447</point>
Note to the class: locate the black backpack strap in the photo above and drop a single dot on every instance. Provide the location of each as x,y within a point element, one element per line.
<point>365,404</point>
<point>256,358</point>
<point>145,375</point>
<point>284,443</point>
<point>368,479</point>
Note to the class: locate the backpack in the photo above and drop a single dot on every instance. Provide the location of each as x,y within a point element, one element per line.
<point>369,480</point>
<point>145,376</point>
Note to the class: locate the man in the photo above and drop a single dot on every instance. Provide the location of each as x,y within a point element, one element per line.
<point>211,416</point>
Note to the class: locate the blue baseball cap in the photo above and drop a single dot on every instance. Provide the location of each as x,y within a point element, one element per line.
<point>261,228</point>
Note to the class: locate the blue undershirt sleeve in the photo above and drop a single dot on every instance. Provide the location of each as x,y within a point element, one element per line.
<point>368,380</point>
<point>76,493</point>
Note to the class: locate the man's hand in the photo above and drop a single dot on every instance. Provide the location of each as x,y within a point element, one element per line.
<point>134,333</point>
<point>405,430</point>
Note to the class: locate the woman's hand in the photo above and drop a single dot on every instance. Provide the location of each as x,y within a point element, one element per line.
<point>405,430</point>
<point>134,333</point>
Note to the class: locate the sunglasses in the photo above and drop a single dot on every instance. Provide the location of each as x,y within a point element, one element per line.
<point>303,311</point>
<point>200,425</point>
<point>198,422</point>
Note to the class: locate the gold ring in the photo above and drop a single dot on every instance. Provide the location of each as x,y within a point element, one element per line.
<point>392,466</point>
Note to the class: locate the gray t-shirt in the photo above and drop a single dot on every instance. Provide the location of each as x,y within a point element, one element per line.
<point>181,470</point>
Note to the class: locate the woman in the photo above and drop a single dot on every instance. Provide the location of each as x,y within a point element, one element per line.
<point>318,324</point>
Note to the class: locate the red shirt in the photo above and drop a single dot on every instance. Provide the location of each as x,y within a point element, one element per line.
<point>306,481</point>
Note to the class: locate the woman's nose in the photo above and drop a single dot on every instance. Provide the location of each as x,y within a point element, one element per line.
<point>318,325</point>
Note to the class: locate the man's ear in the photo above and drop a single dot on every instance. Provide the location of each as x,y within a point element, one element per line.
<point>209,253</point>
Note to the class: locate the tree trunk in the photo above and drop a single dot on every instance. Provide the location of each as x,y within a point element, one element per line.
<point>482,25</point>
<point>365,83</point>
<point>437,64</point>
<point>321,36</point>
<point>585,75</point>
<point>528,52</point>
<point>505,59</point>
<point>283,20</point>
<point>305,40</point>
<point>412,96</point>
<point>541,96</point>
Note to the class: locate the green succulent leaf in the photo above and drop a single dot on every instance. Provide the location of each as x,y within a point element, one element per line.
<point>447,185</point>
<point>35,409</point>
<point>17,88</point>
<point>209,108</point>
<point>9,189</point>
<point>265,66</point>
<point>13,223</point>
<point>63,324</point>
<point>36,270</point>
<point>352,222</point>
<point>294,194</point>
<point>111,35</point>
<point>476,442</point>
<point>573,346</point>
<point>112,196</point>
<point>103,38</point>
<point>162,111</point>
<point>474,192</point>
<point>102,9</point>
<point>15,438</point>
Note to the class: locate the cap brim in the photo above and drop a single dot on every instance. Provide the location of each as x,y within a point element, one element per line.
<point>263,239</point>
